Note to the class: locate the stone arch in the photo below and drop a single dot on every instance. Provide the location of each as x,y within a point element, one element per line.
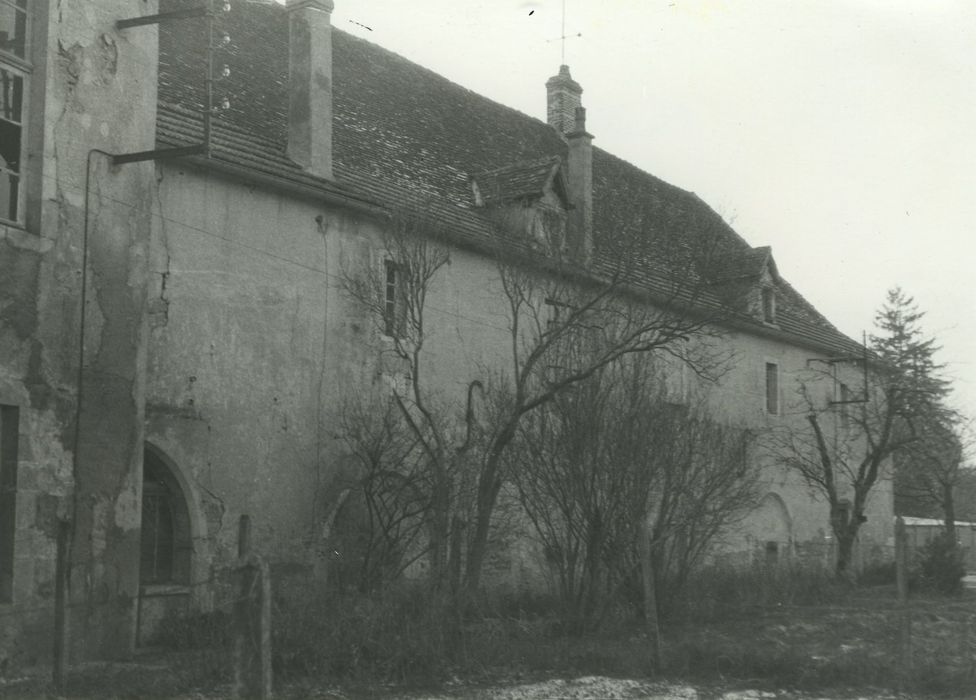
<point>773,527</point>
<point>171,526</point>
<point>198,529</point>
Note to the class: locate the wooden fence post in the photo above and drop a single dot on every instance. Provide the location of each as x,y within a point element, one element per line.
<point>252,621</point>
<point>650,598</point>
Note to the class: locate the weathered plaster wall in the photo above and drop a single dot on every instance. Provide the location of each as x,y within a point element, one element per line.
<point>94,87</point>
<point>253,346</point>
<point>236,359</point>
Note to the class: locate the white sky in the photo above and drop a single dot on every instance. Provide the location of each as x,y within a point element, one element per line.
<point>840,132</point>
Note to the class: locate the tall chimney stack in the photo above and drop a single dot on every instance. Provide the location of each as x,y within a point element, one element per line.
<point>310,85</point>
<point>563,98</point>
<point>568,117</point>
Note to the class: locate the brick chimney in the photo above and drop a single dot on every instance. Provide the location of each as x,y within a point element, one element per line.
<point>310,85</point>
<point>563,98</point>
<point>568,117</point>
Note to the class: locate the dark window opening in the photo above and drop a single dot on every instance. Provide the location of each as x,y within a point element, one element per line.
<point>166,544</point>
<point>772,388</point>
<point>11,141</point>
<point>9,429</point>
<point>769,305</point>
<point>13,27</point>
<point>772,552</point>
<point>394,306</point>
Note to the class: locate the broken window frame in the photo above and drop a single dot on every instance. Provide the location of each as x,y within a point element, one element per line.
<point>15,72</point>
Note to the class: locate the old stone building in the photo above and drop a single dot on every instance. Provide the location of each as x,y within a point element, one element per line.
<point>174,339</point>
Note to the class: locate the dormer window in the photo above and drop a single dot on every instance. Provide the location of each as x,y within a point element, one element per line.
<point>769,304</point>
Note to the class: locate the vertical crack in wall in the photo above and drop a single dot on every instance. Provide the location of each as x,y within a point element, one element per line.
<point>159,305</point>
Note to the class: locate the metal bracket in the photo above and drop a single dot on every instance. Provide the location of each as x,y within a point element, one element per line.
<point>160,154</point>
<point>162,17</point>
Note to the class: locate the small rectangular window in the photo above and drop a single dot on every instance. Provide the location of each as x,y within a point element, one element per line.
<point>769,305</point>
<point>14,72</point>
<point>555,314</point>
<point>11,141</point>
<point>9,429</point>
<point>772,388</point>
<point>13,27</point>
<point>394,304</point>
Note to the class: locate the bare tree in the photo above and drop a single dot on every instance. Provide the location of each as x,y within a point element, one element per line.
<point>613,459</point>
<point>394,296</point>
<point>390,487</point>
<point>565,323</point>
<point>849,441</point>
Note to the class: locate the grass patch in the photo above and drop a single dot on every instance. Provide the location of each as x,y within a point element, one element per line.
<point>748,627</point>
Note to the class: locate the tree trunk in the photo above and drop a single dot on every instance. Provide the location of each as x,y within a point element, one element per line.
<point>949,510</point>
<point>845,552</point>
<point>489,484</point>
<point>648,574</point>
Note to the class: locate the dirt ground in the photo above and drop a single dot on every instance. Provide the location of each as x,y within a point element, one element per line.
<point>822,652</point>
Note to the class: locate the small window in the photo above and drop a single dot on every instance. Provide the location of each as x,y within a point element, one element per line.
<point>394,305</point>
<point>9,429</point>
<point>555,314</point>
<point>772,552</point>
<point>13,92</point>
<point>769,305</point>
<point>845,406</point>
<point>13,27</point>
<point>772,388</point>
<point>11,141</point>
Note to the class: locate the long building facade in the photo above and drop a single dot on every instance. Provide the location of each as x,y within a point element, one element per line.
<point>175,337</point>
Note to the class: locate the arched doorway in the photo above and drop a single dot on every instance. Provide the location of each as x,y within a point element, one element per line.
<point>773,529</point>
<point>166,546</point>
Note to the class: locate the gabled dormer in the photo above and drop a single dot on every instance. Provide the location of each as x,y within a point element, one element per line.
<point>527,199</point>
<point>749,279</point>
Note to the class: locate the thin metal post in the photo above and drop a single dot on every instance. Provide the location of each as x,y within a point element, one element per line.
<point>901,573</point>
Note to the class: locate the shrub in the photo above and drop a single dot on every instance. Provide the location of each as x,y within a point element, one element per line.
<point>390,636</point>
<point>195,630</point>
<point>878,575</point>
<point>942,568</point>
<point>715,591</point>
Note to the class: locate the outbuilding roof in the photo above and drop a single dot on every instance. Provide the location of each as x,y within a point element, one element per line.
<point>402,134</point>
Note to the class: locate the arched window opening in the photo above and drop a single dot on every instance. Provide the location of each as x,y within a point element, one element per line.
<point>166,543</point>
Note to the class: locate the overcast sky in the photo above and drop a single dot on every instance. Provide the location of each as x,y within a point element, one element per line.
<point>840,132</point>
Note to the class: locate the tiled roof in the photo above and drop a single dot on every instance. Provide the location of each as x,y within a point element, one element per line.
<point>517,180</point>
<point>741,264</point>
<point>403,135</point>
